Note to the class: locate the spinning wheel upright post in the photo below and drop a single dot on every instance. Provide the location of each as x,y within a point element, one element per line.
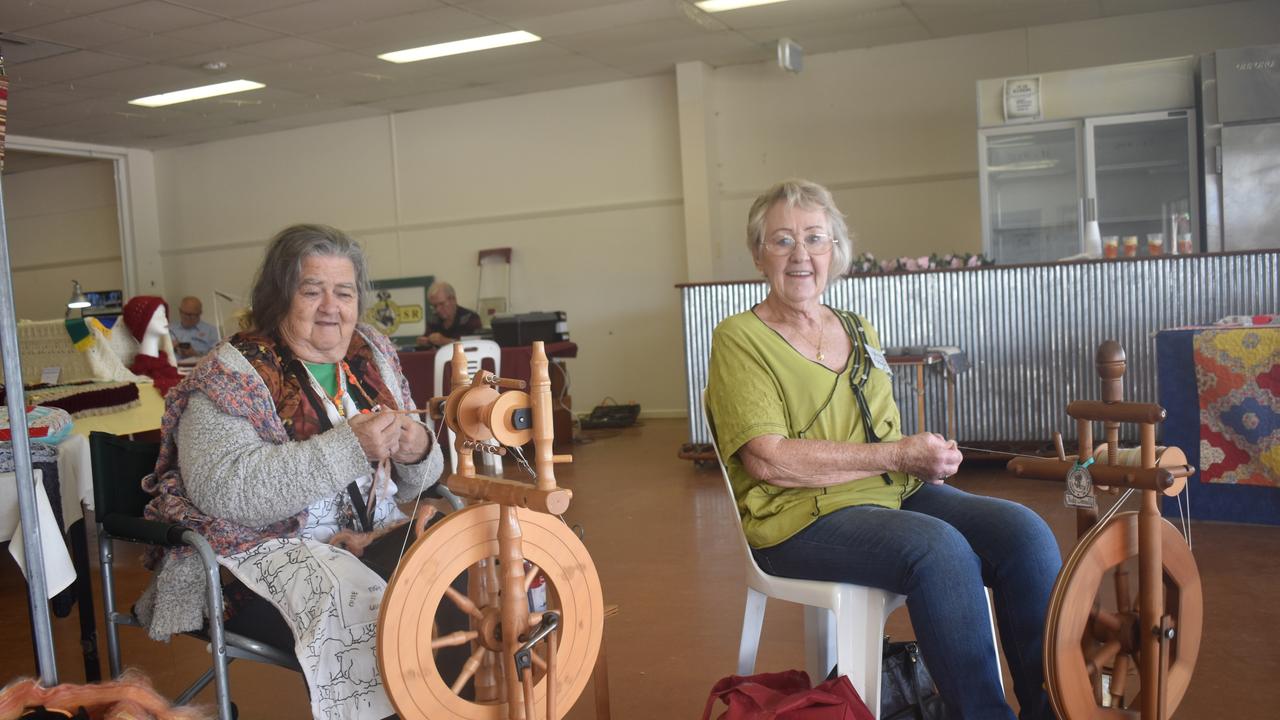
<point>1091,646</point>
<point>525,664</point>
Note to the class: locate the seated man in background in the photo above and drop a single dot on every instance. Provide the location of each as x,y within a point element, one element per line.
<point>192,337</point>
<point>451,322</point>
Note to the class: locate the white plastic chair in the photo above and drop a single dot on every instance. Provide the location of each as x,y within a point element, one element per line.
<point>858,614</point>
<point>477,352</point>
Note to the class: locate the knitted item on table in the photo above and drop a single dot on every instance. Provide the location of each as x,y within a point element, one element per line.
<point>138,311</point>
<point>158,369</point>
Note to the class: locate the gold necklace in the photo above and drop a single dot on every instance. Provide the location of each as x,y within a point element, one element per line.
<point>822,329</point>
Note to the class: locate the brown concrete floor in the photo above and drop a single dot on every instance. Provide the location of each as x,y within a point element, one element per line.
<point>658,530</point>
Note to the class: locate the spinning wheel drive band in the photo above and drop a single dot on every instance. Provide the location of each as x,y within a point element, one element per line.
<point>455,544</point>
<point>1076,628</point>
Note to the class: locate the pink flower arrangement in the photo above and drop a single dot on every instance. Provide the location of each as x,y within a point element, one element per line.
<point>866,263</point>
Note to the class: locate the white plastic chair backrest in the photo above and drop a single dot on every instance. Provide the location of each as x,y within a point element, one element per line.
<point>728,485</point>
<point>477,352</point>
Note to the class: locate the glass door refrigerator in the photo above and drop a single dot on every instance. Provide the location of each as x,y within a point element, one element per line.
<point>1141,177</point>
<point>1116,145</point>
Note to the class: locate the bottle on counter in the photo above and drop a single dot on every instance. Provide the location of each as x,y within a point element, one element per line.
<point>1092,239</point>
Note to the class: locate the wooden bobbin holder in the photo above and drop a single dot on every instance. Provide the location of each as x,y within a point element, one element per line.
<point>1101,639</point>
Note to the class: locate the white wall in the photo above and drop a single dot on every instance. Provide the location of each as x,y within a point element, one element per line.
<point>586,184</point>
<point>583,185</point>
<point>62,226</point>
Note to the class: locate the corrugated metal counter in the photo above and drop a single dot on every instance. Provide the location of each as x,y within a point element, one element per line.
<point>1030,330</point>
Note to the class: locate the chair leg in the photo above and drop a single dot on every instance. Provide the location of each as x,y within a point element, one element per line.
<point>752,620</point>
<point>859,632</point>
<point>995,642</point>
<point>218,640</point>
<point>819,642</point>
<point>105,559</point>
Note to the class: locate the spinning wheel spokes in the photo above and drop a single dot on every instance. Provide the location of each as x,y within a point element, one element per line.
<point>1085,642</point>
<point>467,539</point>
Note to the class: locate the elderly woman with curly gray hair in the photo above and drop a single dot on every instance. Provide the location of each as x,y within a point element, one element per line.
<point>275,445</point>
<point>828,487</point>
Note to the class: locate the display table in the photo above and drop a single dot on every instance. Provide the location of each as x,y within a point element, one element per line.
<point>944,362</point>
<point>1219,386</point>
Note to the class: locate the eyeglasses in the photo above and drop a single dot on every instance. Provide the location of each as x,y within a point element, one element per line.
<point>784,244</point>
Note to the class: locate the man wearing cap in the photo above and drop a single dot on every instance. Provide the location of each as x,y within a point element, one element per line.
<point>192,337</point>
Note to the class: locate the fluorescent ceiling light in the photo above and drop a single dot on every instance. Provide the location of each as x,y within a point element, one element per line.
<point>196,93</point>
<point>715,6</point>
<point>457,47</point>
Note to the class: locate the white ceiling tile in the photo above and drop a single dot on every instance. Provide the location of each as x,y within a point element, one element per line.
<point>235,8</point>
<point>945,18</point>
<point>1127,7</point>
<point>318,15</point>
<point>224,33</point>
<point>82,32</point>
<point>527,68</point>
<point>286,48</point>
<point>143,80</point>
<point>803,11</point>
<point>600,17</point>
<point>68,66</point>
<point>19,14</point>
<point>716,49</point>
<point>155,47</point>
<point>20,48</point>
<point>412,30</point>
<point>155,16</point>
<point>877,27</point>
<point>635,34</point>
<point>237,63</point>
<point>511,10</point>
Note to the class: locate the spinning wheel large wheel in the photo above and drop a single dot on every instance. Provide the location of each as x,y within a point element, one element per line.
<point>1083,640</point>
<point>453,545</point>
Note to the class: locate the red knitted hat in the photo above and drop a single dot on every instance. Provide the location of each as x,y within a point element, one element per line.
<point>138,312</point>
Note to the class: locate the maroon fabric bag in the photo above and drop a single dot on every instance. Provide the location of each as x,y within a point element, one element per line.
<point>786,696</point>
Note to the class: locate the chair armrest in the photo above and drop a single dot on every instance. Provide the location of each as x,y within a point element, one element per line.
<point>136,529</point>
<point>441,492</point>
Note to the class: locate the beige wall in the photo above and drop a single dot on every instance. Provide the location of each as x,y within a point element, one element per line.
<point>586,184</point>
<point>893,130</point>
<point>62,226</point>
<point>583,185</point>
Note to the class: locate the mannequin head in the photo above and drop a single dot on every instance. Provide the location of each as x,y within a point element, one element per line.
<point>147,318</point>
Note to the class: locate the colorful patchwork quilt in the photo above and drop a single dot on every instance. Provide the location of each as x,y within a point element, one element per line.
<point>1238,378</point>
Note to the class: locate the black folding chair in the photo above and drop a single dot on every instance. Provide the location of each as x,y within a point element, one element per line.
<point>119,465</point>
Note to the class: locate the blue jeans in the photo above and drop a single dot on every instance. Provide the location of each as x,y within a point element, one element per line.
<point>940,550</point>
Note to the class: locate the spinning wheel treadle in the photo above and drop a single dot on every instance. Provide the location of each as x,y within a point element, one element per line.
<point>1083,640</point>
<point>455,544</point>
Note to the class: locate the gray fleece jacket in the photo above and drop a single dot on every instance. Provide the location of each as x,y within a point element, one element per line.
<point>230,472</point>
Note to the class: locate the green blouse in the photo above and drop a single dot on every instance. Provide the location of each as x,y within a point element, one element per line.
<point>759,385</point>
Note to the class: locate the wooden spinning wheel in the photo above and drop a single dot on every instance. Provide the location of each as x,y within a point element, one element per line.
<point>1085,641</point>
<point>462,540</point>
<point>523,665</point>
<point>1099,636</point>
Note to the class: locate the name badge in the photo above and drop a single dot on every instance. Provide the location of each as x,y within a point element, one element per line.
<point>877,359</point>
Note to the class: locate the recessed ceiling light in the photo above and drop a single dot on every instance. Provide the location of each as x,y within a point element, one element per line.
<point>457,47</point>
<point>196,93</point>
<point>714,6</point>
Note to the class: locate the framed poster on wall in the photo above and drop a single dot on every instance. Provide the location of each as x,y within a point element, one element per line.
<point>399,308</point>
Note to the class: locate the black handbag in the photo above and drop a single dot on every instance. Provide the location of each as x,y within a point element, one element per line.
<point>906,688</point>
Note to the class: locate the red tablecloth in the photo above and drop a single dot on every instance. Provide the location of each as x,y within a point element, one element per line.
<point>419,367</point>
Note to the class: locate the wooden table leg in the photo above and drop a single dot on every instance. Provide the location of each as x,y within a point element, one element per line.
<point>952,421</point>
<point>920,398</point>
